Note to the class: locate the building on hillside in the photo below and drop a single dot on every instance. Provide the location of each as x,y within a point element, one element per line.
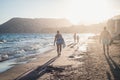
<point>114,26</point>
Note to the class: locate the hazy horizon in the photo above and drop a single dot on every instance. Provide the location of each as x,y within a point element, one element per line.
<point>77,11</point>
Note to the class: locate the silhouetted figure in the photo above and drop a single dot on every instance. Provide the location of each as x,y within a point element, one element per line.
<point>59,42</point>
<point>105,38</point>
<point>75,37</point>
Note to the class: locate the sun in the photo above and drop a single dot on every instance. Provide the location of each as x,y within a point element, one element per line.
<point>89,11</point>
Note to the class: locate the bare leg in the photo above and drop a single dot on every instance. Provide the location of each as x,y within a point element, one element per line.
<point>107,49</point>
<point>60,46</point>
<point>74,40</point>
<point>58,49</point>
<point>104,48</point>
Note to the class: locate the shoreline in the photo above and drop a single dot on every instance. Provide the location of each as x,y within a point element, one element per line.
<point>22,68</point>
<point>19,61</point>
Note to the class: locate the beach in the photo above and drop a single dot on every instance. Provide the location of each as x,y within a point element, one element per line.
<point>93,65</point>
<point>77,62</point>
<point>60,40</point>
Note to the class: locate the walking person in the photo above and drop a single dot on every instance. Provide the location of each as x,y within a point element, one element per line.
<point>59,42</point>
<point>105,38</point>
<point>75,37</point>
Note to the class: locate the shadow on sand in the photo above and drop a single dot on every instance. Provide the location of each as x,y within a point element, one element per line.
<point>36,73</point>
<point>114,67</point>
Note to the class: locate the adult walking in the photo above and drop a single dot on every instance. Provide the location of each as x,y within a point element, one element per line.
<point>59,42</point>
<point>75,37</point>
<point>105,38</point>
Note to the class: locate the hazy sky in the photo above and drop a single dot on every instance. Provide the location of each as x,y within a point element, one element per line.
<point>77,11</point>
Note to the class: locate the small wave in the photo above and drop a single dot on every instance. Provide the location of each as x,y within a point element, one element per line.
<point>20,53</point>
<point>31,48</point>
<point>3,41</point>
<point>4,57</point>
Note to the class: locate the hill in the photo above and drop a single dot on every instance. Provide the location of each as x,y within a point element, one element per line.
<point>27,25</point>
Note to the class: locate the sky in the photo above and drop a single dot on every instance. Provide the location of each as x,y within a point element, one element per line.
<point>77,11</point>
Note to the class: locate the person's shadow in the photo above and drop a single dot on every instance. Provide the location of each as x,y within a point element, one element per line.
<point>114,67</point>
<point>36,73</point>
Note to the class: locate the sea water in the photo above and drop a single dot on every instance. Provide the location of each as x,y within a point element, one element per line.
<point>22,48</point>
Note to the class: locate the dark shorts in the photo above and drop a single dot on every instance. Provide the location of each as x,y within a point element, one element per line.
<point>59,41</point>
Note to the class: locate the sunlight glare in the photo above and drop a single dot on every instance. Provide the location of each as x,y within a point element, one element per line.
<point>89,11</point>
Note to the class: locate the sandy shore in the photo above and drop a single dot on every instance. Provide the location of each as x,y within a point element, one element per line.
<point>90,65</point>
<point>75,63</point>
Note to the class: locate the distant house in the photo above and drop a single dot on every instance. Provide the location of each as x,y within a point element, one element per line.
<point>114,26</point>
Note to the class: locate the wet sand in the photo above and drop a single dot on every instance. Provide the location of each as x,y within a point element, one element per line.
<point>73,64</point>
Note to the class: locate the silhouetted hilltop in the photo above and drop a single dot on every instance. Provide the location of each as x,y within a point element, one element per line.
<point>26,25</point>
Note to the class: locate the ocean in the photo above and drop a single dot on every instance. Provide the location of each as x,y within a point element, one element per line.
<point>22,48</point>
